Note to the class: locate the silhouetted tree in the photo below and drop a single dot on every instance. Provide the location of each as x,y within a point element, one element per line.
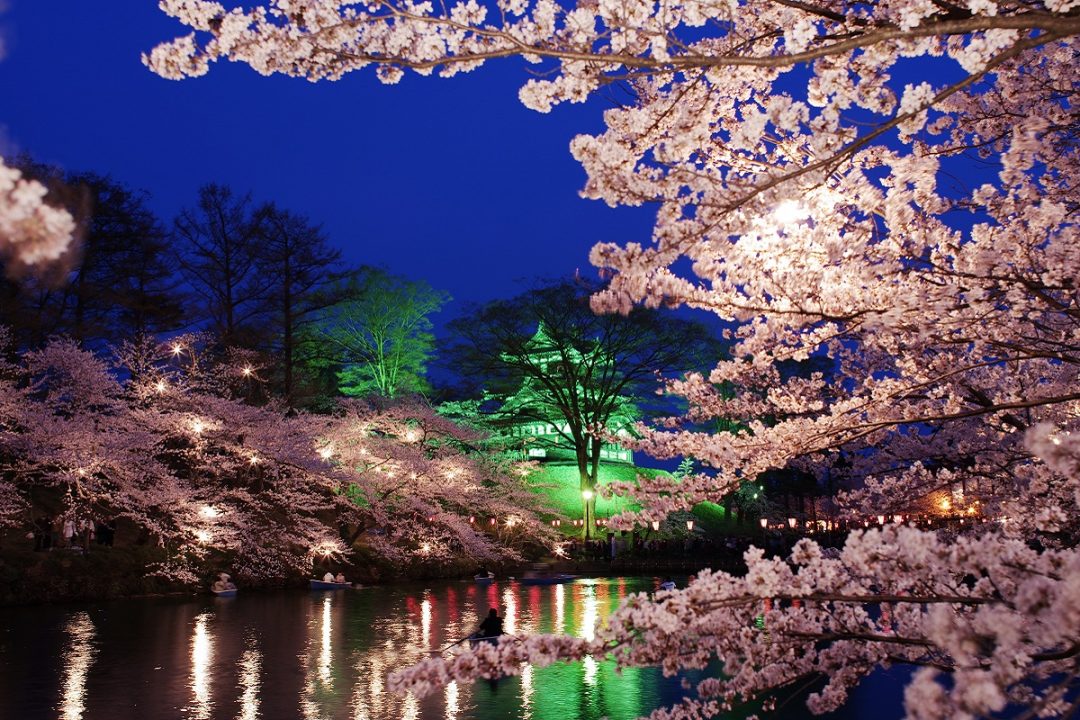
<point>303,276</point>
<point>218,241</point>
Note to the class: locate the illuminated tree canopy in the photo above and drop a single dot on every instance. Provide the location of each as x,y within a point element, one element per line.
<point>167,446</point>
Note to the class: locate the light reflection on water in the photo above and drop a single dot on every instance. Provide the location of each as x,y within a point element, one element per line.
<point>316,655</point>
<point>202,654</point>
<point>77,658</point>
<point>250,668</point>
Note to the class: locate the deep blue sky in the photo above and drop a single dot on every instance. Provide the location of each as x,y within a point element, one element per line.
<point>453,181</point>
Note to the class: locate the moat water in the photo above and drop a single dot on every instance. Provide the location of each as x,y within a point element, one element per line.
<point>294,654</point>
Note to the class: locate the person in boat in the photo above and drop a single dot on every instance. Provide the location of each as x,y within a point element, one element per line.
<point>328,577</point>
<point>483,573</point>
<point>492,625</point>
<point>668,584</point>
<point>223,583</point>
<point>340,577</point>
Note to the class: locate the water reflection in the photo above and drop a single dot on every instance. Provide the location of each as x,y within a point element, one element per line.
<point>325,655</point>
<point>412,708</point>
<point>250,667</point>
<point>526,691</point>
<point>452,708</point>
<point>318,658</point>
<point>202,653</point>
<point>560,608</point>
<point>509,609</point>
<point>425,621</point>
<point>319,655</point>
<point>78,656</point>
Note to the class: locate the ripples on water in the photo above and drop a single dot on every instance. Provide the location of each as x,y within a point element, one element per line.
<point>312,656</point>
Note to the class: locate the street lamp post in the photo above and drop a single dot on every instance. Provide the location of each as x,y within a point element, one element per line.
<point>587,496</point>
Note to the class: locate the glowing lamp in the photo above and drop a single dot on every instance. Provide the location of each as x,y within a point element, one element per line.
<point>491,521</point>
<point>789,211</point>
<point>898,518</point>
<point>655,525</point>
<point>177,348</point>
<point>880,519</point>
<point>764,523</point>
<point>472,519</point>
<point>791,523</point>
<point>587,495</point>
<point>689,524</point>
<point>246,372</point>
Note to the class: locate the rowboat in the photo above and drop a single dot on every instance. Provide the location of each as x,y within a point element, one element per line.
<point>324,585</point>
<point>556,579</point>
<point>224,593</point>
<point>476,639</point>
<point>484,579</point>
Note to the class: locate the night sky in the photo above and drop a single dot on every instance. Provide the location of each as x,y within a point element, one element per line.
<point>453,181</point>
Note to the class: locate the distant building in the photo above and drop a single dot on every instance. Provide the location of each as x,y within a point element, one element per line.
<point>529,414</point>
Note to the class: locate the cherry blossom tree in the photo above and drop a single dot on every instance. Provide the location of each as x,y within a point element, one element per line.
<point>161,437</point>
<point>890,186</point>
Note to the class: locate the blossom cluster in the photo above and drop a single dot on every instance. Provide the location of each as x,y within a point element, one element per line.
<point>32,232</point>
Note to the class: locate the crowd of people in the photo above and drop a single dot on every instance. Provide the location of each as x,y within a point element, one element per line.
<point>67,531</point>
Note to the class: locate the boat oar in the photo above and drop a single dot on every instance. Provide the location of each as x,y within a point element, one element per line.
<point>450,645</point>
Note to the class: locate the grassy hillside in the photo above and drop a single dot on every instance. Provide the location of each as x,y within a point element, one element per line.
<point>561,485</point>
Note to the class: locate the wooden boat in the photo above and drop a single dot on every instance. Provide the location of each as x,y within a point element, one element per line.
<point>545,579</point>
<point>477,639</point>
<point>224,593</point>
<point>324,585</point>
<point>484,579</point>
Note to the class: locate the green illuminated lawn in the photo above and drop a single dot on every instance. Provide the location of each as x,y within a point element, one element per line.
<point>564,496</point>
